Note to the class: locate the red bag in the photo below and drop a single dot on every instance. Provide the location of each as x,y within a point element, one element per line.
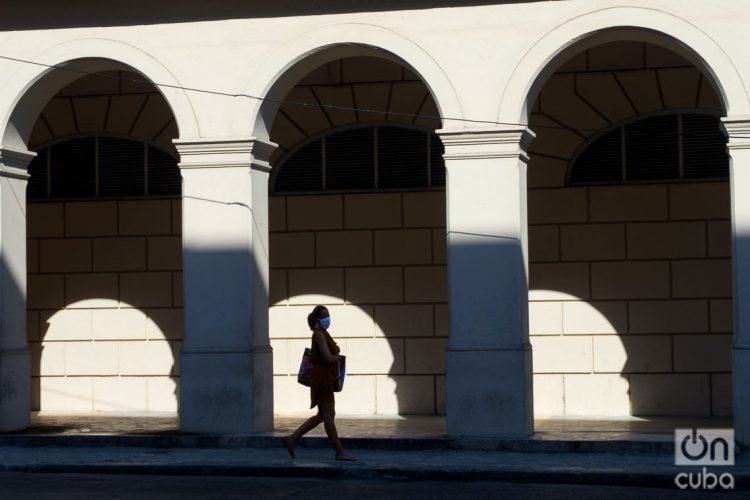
<point>305,370</point>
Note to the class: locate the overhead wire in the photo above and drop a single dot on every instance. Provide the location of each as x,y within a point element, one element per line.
<point>305,104</point>
<point>286,101</point>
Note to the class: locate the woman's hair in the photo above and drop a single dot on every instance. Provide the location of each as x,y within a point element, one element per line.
<point>314,317</point>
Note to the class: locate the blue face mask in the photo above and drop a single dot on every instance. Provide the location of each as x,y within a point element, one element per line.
<point>325,322</point>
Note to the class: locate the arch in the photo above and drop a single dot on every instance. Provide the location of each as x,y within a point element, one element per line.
<point>621,24</point>
<point>30,88</point>
<point>283,68</point>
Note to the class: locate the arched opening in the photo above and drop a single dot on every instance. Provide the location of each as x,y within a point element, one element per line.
<point>104,262</point>
<point>630,274</point>
<point>357,223</point>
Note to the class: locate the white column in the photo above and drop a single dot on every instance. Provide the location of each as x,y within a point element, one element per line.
<point>738,131</point>
<point>488,364</point>
<point>15,361</point>
<point>226,363</point>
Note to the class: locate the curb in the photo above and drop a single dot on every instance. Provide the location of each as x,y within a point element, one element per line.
<point>661,479</point>
<point>531,445</point>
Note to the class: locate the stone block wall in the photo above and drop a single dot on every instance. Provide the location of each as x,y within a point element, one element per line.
<point>105,305</point>
<point>378,261</point>
<point>631,299</point>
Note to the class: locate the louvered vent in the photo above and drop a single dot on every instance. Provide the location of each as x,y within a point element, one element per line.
<point>663,148</point>
<point>105,167</point>
<point>704,148</point>
<point>163,174</point>
<point>367,158</point>
<point>303,171</point>
<point>402,158</point>
<point>73,169</point>
<point>121,167</point>
<point>350,160</point>
<point>601,161</point>
<point>652,149</point>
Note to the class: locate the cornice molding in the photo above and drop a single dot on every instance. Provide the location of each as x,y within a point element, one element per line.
<point>737,130</point>
<point>225,153</point>
<point>14,164</point>
<point>476,144</point>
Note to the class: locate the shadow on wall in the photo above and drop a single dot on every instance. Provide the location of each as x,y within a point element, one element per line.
<point>105,360</point>
<point>383,278</point>
<point>644,337</point>
<point>378,382</point>
<point>104,308</point>
<point>14,368</point>
<point>89,13</point>
<point>104,304</point>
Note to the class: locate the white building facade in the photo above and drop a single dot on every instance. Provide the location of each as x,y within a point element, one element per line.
<point>510,208</point>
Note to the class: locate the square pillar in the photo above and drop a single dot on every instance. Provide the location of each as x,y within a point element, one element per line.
<point>738,132</point>
<point>226,381</point>
<point>15,360</point>
<point>488,360</point>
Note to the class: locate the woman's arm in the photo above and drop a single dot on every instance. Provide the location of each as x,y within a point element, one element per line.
<point>320,341</point>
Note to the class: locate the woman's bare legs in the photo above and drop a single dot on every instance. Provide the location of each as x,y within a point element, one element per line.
<point>327,410</point>
<point>326,414</point>
<point>291,440</point>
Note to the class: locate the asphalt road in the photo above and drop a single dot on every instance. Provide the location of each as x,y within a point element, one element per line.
<point>40,486</point>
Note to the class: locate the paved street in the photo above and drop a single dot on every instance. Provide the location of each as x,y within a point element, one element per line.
<point>36,486</point>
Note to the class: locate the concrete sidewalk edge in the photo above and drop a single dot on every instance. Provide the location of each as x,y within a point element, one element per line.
<point>530,445</point>
<point>657,479</point>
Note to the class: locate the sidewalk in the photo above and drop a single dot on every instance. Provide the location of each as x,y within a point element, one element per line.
<point>625,452</point>
<point>623,469</point>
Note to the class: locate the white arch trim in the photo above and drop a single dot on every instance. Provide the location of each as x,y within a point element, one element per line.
<point>21,99</point>
<point>620,24</point>
<point>291,61</point>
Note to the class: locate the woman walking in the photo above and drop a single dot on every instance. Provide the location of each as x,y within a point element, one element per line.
<point>325,353</point>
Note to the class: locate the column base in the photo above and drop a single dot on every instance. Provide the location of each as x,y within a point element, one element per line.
<point>226,392</point>
<point>489,393</point>
<point>15,390</point>
<point>741,403</point>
